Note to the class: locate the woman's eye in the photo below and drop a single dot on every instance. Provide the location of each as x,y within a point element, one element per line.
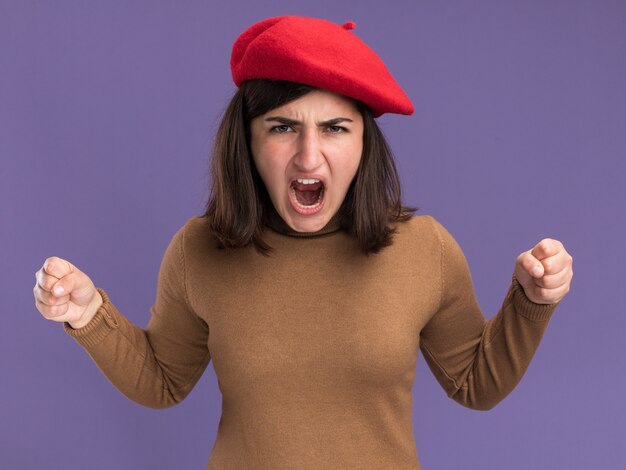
<point>285,128</point>
<point>280,129</point>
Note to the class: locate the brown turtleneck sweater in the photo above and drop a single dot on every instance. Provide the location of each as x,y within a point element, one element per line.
<point>315,346</point>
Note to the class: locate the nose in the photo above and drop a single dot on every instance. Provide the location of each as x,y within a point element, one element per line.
<point>309,154</point>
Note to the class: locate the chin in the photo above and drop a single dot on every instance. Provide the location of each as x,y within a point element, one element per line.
<point>308,225</point>
<point>301,223</point>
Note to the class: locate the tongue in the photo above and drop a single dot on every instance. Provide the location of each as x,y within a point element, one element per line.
<point>308,194</point>
<point>307,198</point>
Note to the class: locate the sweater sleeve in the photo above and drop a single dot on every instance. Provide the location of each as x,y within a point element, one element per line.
<point>479,362</point>
<point>156,367</point>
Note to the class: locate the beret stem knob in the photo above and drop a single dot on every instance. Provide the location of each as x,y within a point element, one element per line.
<point>349,25</point>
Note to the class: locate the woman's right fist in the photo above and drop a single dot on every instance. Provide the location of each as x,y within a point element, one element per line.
<point>64,293</point>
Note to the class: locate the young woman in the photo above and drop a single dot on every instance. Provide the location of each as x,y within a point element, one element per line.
<point>306,281</point>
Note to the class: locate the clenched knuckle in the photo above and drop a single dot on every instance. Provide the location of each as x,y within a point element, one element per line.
<point>43,309</point>
<point>54,309</point>
<point>48,282</point>
<point>48,298</point>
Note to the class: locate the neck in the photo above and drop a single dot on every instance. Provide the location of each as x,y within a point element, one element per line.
<point>276,223</point>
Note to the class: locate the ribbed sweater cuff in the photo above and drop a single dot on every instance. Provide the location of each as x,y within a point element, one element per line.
<point>526,307</point>
<point>102,323</point>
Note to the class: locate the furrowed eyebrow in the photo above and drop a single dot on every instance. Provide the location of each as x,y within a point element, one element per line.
<point>292,122</point>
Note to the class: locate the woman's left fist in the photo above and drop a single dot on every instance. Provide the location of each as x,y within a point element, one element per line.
<point>545,272</point>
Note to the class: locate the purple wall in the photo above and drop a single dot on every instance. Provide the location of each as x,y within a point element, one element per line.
<point>107,113</point>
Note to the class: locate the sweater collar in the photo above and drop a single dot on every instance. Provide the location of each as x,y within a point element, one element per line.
<point>276,223</point>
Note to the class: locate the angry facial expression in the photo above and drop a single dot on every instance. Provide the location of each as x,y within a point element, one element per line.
<point>307,153</point>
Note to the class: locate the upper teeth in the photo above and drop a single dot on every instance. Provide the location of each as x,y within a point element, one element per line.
<point>307,181</point>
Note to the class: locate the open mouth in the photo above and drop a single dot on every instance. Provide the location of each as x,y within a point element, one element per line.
<point>307,195</point>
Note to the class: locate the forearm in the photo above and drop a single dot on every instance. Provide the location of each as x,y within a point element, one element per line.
<point>122,351</point>
<point>501,354</point>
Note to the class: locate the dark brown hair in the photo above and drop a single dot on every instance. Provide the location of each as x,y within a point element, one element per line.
<point>238,203</point>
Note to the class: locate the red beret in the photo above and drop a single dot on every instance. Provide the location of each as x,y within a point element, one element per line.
<point>318,53</point>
